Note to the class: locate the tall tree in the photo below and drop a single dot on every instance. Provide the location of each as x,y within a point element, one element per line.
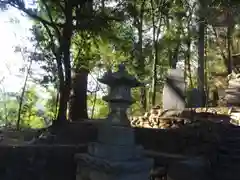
<point>201,52</point>
<point>60,21</point>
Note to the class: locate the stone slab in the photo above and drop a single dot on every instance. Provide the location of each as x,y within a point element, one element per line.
<point>96,175</point>
<point>234,84</point>
<point>114,167</point>
<point>116,135</point>
<point>85,174</point>
<point>171,98</point>
<point>192,169</point>
<point>114,153</point>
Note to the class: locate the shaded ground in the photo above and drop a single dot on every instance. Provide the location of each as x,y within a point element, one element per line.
<point>200,138</point>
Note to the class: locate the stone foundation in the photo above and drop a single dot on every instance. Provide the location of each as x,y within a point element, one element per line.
<point>38,162</point>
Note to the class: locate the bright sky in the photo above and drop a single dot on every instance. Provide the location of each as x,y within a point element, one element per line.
<point>12,34</point>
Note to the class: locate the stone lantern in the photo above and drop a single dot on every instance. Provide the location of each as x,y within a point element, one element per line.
<point>115,156</point>
<point>119,97</point>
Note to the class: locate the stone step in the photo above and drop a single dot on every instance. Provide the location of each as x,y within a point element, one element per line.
<point>225,173</point>
<point>115,167</point>
<point>233,100</point>
<point>235,142</point>
<point>231,95</point>
<point>226,176</point>
<point>231,136</point>
<point>233,84</point>
<point>232,91</point>
<point>230,145</point>
<point>230,128</point>
<point>228,151</point>
<point>115,153</point>
<point>192,169</point>
<point>228,160</point>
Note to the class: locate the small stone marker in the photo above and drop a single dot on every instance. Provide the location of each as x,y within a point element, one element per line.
<point>174,90</point>
<point>233,91</point>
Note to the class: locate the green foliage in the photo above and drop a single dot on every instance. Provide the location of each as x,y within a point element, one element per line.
<point>31,116</point>
<point>97,107</point>
<point>29,111</point>
<point>104,36</point>
<point>51,105</point>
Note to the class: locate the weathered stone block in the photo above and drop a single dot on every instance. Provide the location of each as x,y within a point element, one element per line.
<point>116,135</point>
<point>92,168</point>
<point>115,153</point>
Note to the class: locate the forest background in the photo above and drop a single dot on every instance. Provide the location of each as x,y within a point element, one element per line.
<point>72,43</point>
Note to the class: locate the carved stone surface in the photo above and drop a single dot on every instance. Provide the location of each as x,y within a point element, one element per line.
<point>116,167</point>
<point>115,153</point>
<point>120,133</point>
<point>232,92</point>
<point>173,91</point>
<point>97,175</point>
<point>115,156</point>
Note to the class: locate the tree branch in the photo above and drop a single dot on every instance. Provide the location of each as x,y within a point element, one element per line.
<point>32,15</point>
<point>54,26</point>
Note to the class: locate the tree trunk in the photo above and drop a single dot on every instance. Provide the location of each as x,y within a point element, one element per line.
<point>66,44</point>
<point>60,101</point>
<point>156,33</point>
<point>175,56</point>
<point>22,95</point>
<point>141,63</point>
<point>155,59</point>
<point>156,24</point>
<point>201,43</point>
<point>78,102</point>
<point>229,49</point>
<point>188,59</point>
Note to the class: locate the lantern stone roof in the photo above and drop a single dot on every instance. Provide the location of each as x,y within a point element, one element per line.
<point>119,77</point>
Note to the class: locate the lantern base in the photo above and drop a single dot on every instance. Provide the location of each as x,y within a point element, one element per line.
<point>92,168</point>
<point>114,157</point>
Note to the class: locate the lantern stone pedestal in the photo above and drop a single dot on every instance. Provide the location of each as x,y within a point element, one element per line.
<point>115,156</point>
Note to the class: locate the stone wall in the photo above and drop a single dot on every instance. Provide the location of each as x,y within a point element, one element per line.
<point>50,162</point>
<point>190,140</point>
<point>38,162</point>
<point>194,139</point>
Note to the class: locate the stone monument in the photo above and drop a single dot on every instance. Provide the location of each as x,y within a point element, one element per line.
<point>115,156</point>
<point>174,90</point>
<point>233,91</point>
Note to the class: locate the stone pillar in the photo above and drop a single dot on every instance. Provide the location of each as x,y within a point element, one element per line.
<point>174,90</point>
<point>233,91</point>
<point>115,156</point>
